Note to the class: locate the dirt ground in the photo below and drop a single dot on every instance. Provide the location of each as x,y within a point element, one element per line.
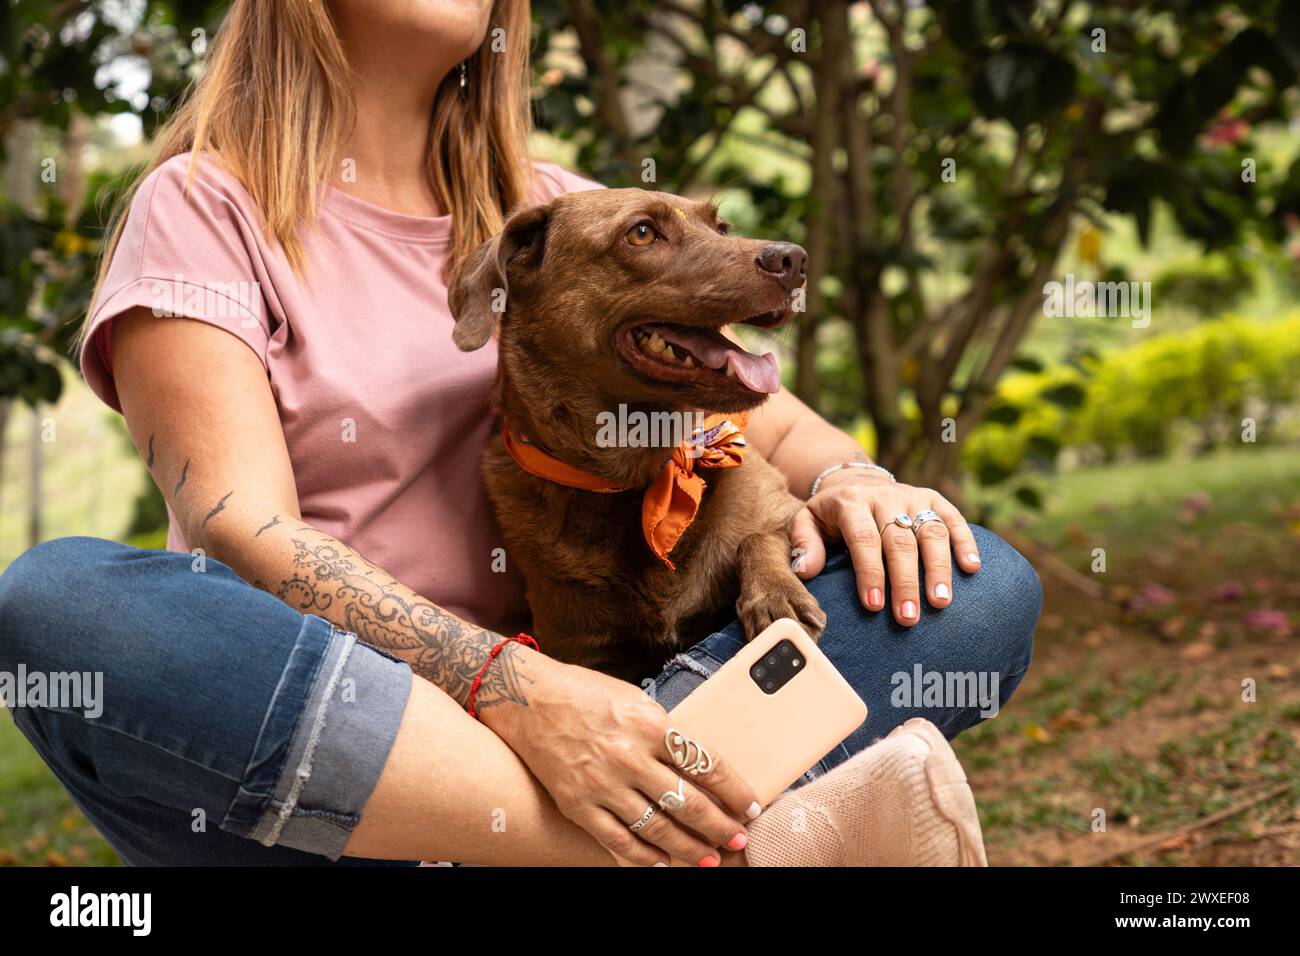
<point>1160,721</point>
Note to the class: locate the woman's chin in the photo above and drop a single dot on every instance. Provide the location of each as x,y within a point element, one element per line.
<point>456,27</point>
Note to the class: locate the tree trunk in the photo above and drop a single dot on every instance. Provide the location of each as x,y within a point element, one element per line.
<point>36,499</point>
<point>23,170</point>
<point>828,72</point>
<point>72,173</point>
<point>5,405</point>
<point>604,78</point>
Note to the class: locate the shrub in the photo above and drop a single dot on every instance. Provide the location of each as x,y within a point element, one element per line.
<point>1139,401</point>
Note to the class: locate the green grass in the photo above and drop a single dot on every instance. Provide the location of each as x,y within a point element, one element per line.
<point>91,475</point>
<point>39,824</point>
<point>1144,499</point>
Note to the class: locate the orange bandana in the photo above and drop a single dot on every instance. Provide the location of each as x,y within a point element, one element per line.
<point>673,498</point>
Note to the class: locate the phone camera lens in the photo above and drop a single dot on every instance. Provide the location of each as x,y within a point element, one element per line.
<point>785,649</point>
<point>769,685</point>
<point>759,671</point>
<point>773,661</point>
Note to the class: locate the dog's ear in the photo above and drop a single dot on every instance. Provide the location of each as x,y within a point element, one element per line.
<point>478,290</point>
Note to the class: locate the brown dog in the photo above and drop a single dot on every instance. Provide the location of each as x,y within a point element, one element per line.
<point>616,298</point>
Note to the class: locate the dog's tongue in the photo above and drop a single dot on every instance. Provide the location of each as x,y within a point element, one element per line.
<point>758,373</point>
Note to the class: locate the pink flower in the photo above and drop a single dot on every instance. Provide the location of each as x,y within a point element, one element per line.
<point>1227,132</point>
<point>1151,596</point>
<point>1274,622</point>
<point>1229,591</point>
<point>1197,503</point>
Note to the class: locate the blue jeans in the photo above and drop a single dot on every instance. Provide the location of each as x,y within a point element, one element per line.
<point>230,729</point>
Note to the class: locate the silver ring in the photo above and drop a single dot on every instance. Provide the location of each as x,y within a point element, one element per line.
<point>674,800</point>
<point>904,521</point>
<point>687,754</point>
<point>645,818</point>
<point>921,517</point>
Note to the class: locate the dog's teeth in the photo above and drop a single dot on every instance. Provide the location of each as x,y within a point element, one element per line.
<point>669,353</point>
<point>731,372</point>
<point>687,362</point>
<point>655,343</point>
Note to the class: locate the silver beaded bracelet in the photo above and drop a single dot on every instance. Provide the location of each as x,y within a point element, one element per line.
<point>817,482</point>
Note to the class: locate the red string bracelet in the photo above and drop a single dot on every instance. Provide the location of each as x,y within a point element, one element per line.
<point>520,638</point>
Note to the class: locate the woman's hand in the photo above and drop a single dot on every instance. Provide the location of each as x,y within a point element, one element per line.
<point>597,745</point>
<point>859,506</point>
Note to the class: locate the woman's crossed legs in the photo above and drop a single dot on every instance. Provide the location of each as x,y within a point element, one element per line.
<point>230,729</point>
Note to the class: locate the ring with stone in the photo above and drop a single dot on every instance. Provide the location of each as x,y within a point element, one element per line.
<point>904,521</point>
<point>674,800</point>
<point>687,754</point>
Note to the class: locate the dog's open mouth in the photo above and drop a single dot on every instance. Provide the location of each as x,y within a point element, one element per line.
<point>691,354</point>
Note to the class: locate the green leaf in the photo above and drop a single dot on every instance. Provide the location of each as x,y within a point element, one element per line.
<point>1004,414</point>
<point>1029,496</point>
<point>1027,363</point>
<point>1067,395</point>
<point>1024,83</point>
<point>1043,447</point>
<point>991,473</point>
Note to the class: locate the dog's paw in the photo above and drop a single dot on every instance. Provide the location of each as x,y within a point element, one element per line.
<point>786,599</point>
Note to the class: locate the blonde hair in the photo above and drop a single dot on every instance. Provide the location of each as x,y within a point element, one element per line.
<point>274,105</point>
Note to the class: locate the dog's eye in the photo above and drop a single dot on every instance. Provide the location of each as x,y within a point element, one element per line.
<point>723,227</point>
<point>642,234</point>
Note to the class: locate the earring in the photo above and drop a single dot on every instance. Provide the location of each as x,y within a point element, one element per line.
<point>464,82</point>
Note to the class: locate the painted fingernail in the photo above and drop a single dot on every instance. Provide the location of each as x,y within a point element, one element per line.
<point>875,598</point>
<point>941,592</point>
<point>753,811</point>
<point>661,863</point>
<point>909,609</point>
<point>973,558</point>
<point>738,842</point>
<point>710,860</point>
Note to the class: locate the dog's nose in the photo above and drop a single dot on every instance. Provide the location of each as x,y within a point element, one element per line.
<point>786,261</point>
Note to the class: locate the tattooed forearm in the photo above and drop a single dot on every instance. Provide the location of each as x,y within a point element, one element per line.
<point>221,506</point>
<point>339,584</point>
<point>270,524</point>
<point>185,474</point>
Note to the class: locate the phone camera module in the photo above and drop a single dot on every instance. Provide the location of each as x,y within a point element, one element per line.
<point>778,668</point>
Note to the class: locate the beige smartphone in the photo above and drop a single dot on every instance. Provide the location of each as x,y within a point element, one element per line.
<point>773,710</point>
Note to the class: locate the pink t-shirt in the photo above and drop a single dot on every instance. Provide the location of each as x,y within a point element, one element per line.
<point>385,419</point>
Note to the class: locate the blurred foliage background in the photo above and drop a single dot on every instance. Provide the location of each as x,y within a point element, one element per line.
<point>942,161</point>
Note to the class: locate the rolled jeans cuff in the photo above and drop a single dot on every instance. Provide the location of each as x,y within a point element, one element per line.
<point>324,742</point>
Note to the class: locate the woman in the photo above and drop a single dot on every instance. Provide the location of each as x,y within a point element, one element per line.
<point>311,409</point>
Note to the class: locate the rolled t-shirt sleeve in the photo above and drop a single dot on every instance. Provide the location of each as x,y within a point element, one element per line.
<point>552,180</point>
<point>185,251</point>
